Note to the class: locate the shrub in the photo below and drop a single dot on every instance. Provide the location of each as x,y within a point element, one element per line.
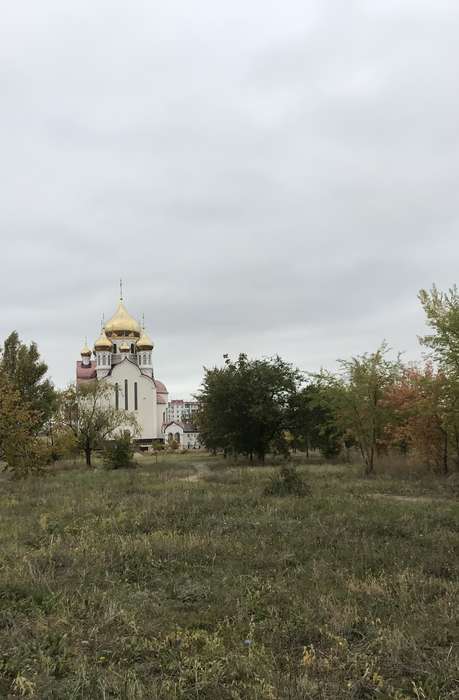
<point>119,453</point>
<point>26,458</point>
<point>287,482</point>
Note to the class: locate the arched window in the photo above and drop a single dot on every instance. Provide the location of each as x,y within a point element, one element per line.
<point>126,400</point>
<point>114,348</point>
<point>136,405</point>
<point>149,358</point>
<point>117,396</point>
<point>132,348</point>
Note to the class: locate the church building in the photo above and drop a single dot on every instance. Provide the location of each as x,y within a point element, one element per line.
<point>123,356</point>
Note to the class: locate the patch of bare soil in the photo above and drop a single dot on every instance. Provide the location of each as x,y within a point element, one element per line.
<point>201,470</point>
<point>404,499</point>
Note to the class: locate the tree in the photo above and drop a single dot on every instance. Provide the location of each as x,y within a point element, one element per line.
<point>20,449</point>
<point>87,411</point>
<point>311,422</point>
<point>243,406</point>
<point>424,424</point>
<point>356,396</point>
<point>442,312</point>
<point>22,365</point>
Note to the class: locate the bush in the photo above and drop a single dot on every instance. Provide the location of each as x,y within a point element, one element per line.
<point>287,482</point>
<point>26,458</point>
<point>119,452</point>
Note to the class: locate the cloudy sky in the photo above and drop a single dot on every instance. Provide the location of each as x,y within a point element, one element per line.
<point>269,177</point>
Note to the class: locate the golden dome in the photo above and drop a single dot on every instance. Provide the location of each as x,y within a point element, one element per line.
<point>103,343</point>
<point>122,323</point>
<point>125,347</point>
<point>145,342</point>
<point>86,352</point>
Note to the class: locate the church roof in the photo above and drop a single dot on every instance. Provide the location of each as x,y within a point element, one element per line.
<point>160,387</point>
<point>145,342</point>
<point>186,427</point>
<point>122,321</point>
<point>102,342</point>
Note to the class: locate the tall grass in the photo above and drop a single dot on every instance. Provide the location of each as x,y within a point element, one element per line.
<point>144,584</point>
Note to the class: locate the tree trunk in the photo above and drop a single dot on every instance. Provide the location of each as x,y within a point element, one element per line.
<point>445,452</point>
<point>369,462</point>
<point>87,452</point>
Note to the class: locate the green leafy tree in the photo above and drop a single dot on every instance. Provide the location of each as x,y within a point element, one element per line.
<point>357,397</point>
<point>20,449</point>
<point>88,412</point>
<point>243,406</point>
<point>442,313</point>
<point>22,365</point>
<point>312,423</point>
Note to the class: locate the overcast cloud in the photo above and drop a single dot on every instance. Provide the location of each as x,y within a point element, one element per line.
<point>269,177</point>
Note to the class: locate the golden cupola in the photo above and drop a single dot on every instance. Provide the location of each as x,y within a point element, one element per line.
<point>122,324</point>
<point>85,351</point>
<point>145,342</point>
<point>102,343</point>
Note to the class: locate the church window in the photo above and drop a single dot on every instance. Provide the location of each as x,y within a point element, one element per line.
<point>132,348</point>
<point>117,396</point>
<point>126,400</point>
<point>136,406</point>
<point>114,348</point>
<point>149,358</point>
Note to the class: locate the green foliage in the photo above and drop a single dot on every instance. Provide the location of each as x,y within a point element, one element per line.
<point>357,399</point>
<point>243,406</point>
<point>87,411</point>
<point>22,365</point>
<point>287,482</point>
<point>312,423</point>
<point>442,312</point>
<point>118,453</point>
<point>20,449</point>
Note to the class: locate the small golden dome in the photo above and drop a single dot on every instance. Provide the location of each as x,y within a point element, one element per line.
<point>103,343</point>
<point>145,342</point>
<point>86,352</point>
<point>125,347</point>
<point>122,322</point>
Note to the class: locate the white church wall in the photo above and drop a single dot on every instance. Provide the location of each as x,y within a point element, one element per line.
<point>146,413</point>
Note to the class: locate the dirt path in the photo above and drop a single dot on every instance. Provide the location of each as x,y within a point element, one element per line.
<point>201,470</point>
<point>407,499</point>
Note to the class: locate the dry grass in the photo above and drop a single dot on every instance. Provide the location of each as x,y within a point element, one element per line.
<point>146,584</point>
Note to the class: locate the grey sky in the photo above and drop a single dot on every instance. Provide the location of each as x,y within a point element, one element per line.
<point>269,177</point>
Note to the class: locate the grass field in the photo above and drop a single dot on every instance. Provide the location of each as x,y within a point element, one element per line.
<point>182,580</point>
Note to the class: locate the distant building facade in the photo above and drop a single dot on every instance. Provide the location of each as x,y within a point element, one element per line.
<point>184,434</point>
<point>181,410</point>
